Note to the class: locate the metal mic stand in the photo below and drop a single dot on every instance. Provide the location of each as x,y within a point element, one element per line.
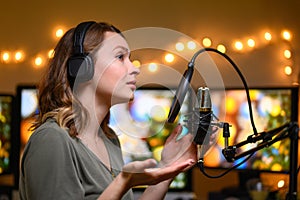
<point>288,130</point>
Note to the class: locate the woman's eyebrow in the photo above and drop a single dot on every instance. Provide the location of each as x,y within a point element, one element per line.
<point>121,47</point>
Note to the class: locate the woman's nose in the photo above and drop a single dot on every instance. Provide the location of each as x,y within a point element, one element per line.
<point>134,69</point>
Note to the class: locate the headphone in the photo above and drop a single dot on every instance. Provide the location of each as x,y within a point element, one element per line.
<point>80,64</point>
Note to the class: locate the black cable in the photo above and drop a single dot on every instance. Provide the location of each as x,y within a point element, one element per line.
<point>192,62</point>
<point>200,163</point>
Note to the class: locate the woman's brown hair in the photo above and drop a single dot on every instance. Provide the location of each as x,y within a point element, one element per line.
<point>56,98</point>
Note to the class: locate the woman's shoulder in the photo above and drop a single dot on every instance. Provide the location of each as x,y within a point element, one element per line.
<point>50,131</point>
<point>49,139</point>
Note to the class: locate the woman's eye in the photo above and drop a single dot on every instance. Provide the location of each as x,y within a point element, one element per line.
<point>121,56</point>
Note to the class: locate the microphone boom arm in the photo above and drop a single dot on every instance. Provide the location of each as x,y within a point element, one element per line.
<point>230,152</point>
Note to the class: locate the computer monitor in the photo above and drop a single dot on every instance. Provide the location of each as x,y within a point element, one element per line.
<point>272,107</point>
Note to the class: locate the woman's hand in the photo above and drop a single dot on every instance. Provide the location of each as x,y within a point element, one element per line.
<point>147,173</point>
<point>179,148</point>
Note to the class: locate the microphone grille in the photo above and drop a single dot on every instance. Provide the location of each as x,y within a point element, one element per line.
<point>204,98</point>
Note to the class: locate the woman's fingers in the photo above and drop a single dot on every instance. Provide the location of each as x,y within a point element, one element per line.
<point>139,166</point>
<point>175,133</point>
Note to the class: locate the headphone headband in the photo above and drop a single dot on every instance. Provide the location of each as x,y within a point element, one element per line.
<point>78,38</point>
<point>80,64</point>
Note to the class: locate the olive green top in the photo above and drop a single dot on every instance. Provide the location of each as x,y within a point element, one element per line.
<point>57,166</point>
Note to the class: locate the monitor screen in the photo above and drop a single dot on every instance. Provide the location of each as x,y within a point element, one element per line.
<point>139,124</point>
<point>27,110</point>
<point>272,107</point>
<point>6,133</point>
<point>142,128</point>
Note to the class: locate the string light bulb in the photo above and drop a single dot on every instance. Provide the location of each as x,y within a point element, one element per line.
<point>268,36</point>
<point>286,35</point>
<point>287,54</point>
<point>238,45</point>
<point>19,56</point>
<point>59,33</point>
<point>51,53</point>
<point>251,43</point>
<point>221,48</point>
<point>288,70</point>
<point>5,56</point>
<point>38,61</point>
<point>169,57</point>
<point>136,63</point>
<point>206,42</point>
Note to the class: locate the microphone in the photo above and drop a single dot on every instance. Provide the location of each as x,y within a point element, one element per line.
<point>202,118</point>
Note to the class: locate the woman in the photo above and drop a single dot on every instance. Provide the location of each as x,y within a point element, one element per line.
<point>73,154</point>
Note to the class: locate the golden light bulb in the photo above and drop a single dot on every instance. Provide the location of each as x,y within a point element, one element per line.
<point>238,45</point>
<point>207,42</point>
<point>221,48</point>
<point>59,33</point>
<point>51,53</point>
<point>286,35</point>
<point>251,42</point>
<point>288,70</point>
<point>268,36</point>
<point>38,61</point>
<point>287,53</point>
<point>169,57</point>
<point>136,63</point>
<point>5,56</point>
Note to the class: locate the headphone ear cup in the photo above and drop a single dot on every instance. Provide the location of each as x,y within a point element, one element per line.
<point>81,68</point>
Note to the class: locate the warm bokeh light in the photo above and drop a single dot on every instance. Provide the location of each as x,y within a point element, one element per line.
<point>238,45</point>
<point>286,35</point>
<point>179,46</point>
<point>136,63</point>
<point>221,48</point>
<point>213,152</point>
<point>38,61</point>
<point>169,57</point>
<point>152,67</point>
<point>287,54</point>
<point>51,53</point>
<point>268,36</point>
<point>5,56</point>
<point>25,129</point>
<point>191,45</point>
<point>288,70</point>
<point>206,42</point>
<point>242,46</point>
<point>251,42</point>
<point>280,184</point>
<point>276,109</point>
<point>230,105</point>
<point>19,56</point>
<point>59,33</point>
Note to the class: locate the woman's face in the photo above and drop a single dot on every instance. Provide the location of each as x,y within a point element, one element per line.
<point>115,75</point>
